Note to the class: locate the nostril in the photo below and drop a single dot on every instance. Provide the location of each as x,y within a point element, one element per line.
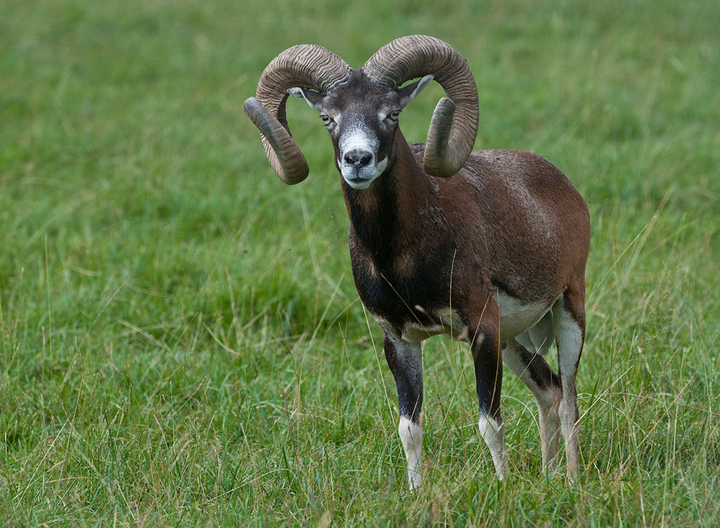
<point>365,159</point>
<point>358,158</point>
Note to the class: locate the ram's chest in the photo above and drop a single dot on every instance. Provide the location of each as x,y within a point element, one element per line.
<point>402,299</point>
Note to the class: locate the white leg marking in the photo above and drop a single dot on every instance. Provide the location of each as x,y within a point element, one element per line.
<point>570,341</point>
<point>411,436</point>
<point>491,431</point>
<point>547,397</point>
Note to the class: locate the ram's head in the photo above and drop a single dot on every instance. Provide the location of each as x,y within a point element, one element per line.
<point>360,108</point>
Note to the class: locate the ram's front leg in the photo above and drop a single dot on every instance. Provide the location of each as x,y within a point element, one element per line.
<point>485,347</point>
<point>405,361</point>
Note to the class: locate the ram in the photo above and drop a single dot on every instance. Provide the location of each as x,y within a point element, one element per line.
<point>487,246</point>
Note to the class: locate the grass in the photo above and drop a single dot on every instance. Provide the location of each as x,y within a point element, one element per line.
<point>181,342</point>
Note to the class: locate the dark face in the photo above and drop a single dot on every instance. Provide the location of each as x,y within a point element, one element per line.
<point>362,118</point>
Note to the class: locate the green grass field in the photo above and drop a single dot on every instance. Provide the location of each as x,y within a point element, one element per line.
<point>181,341</point>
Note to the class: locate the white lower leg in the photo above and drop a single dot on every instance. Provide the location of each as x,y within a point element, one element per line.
<point>491,431</point>
<point>570,343</point>
<point>549,429</point>
<point>411,437</point>
<point>569,418</point>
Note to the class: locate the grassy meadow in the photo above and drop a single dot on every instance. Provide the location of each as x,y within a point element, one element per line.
<point>181,343</point>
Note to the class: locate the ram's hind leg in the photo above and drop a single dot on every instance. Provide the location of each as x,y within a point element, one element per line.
<point>569,322</point>
<point>405,361</point>
<point>544,383</point>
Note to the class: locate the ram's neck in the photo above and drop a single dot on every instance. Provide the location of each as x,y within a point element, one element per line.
<point>382,217</point>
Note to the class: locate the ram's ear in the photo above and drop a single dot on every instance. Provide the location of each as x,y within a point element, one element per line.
<point>412,90</point>
<point>312,98</point>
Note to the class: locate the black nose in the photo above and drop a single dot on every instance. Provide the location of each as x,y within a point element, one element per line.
<point>358,158</point>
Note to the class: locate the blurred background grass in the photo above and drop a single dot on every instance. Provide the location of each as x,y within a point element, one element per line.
<point>181,340</point>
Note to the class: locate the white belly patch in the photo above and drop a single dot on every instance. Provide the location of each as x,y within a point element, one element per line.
<point>515,317</point>
<point>445,321</point>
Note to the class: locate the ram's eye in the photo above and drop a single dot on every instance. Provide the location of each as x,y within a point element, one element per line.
<point>393,116</point>
<point>326,119</point>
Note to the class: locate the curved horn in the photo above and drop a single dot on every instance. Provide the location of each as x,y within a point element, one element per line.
<point>308,66</point>
<point>455,121</point>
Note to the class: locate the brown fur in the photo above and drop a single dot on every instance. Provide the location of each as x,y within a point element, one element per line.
<point>514,220</point>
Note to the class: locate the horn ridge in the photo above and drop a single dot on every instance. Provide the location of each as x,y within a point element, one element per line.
<point>306,65</point>
<point>453,129</point>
